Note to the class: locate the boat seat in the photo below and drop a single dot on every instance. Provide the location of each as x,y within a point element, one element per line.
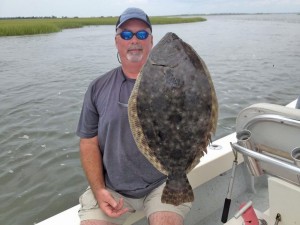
<point>275,132</point>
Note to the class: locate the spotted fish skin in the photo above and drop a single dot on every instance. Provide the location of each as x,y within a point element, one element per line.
<point>173,111</point>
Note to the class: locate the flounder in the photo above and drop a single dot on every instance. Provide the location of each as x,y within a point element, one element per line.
<point>173,111</point>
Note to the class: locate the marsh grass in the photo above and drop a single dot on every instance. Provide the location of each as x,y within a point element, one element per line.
<point>16,27</point>
<point>25,28</point>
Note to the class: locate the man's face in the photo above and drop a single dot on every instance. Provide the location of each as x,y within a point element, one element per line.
<point>134,50</point>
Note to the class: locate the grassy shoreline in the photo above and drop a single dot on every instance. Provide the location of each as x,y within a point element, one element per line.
<point>18,27</point>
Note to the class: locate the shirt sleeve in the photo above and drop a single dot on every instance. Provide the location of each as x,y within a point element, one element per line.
<point>89,117</point>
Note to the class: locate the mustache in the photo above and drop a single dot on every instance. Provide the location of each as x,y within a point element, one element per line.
<point>135,47</point>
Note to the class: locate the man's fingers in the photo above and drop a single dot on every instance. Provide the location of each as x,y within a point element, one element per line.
<point>120,204</point>
<point>113,212</point>
<point>111,201</point>
<point>113,208</point>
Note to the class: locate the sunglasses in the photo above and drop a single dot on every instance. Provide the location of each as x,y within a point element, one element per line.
<point>127,34</point>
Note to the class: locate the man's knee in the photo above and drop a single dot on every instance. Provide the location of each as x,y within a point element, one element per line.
<point>95,222</point>
<point>166,218</point>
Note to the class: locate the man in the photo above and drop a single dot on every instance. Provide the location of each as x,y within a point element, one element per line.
<point>121,179</point>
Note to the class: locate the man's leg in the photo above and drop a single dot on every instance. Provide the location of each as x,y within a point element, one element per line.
<point>165,218</point>
<point>160,213</point>
<point>95,222</point>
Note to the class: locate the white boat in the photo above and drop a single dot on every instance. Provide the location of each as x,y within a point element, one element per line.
<point>265,173</point>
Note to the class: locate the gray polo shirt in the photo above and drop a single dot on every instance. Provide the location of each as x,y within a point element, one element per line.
<point>104,113</point>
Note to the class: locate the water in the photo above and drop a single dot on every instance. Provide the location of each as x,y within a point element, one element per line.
<point>252,58</point>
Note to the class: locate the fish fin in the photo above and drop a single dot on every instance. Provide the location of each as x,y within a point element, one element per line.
<point>200,153</point>
<point>177,192</point>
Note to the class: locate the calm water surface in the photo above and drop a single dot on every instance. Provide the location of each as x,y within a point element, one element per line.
<point>252,58</point>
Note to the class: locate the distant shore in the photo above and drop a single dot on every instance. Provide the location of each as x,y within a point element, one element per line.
<point>32,26</point>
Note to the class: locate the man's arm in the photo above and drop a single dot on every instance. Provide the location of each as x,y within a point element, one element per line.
<point>91,160</point>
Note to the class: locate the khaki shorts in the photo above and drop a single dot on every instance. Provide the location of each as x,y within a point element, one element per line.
<point>151,203</point>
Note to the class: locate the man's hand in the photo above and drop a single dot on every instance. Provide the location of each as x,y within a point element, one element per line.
<point>109,205</point>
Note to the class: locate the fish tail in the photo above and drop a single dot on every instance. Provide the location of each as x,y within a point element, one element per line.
<point>177,191</point>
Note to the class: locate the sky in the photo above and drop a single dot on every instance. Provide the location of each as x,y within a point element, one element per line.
<point>96,8</point>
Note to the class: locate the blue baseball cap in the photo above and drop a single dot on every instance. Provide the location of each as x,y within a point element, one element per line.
<point>133,13</point>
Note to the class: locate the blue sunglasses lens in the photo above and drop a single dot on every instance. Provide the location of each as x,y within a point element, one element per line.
<point>142,35</point>
<point>127,35</point>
